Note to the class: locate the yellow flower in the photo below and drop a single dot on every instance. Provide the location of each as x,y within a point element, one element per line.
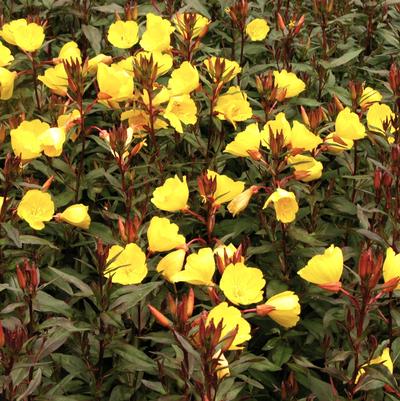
<point>325,269</point>
<point>285,308</point>
<point>277,126</point>
<point>160,95</point>
<point>181,109</point>
<point>306,165</point>
<point>5,55</point>
<point>56,79</point>
<point>9,29</point>
<point>126,265</point>
<point>171,264</point>
<point>184,80</point>
<point>288,83</point>
<point>233,106</point>
<point>123,34</point>
<point>384,359</point>
<point>115,84</point>
<point>35,208</point>
<point>65,120</point>
<point>94,62</point>
<point>285,205</point>
<point>163,61</point>
<point>369,96</point>
<point>222,365</point>
<point>139,119</point>
<point>228,249</point>
<point>29,37</point>
<point>162,235</point>
<point>391,266</point>
<point>7,79</point>
<point>242,285</point>
<point>76,215</point>
<point>70,52</point>
<point>199,268</point>
<point>199,24</point>
<point>348,125</point>
<point>249,139</point>
<point>302,138</point>
<point>379,115</point>
<point>336,144</point>
<point>240,202</point>
<point>52,141</point>
<point>25,139</point>
<point>257,29</point>
<point>1,202</point>
<point>157,37</point>
<point>226,189</point>
<point>231,318</point>
<point>172,196</point>
<point>214,68</point>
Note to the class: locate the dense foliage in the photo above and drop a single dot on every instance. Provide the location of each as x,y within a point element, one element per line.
<point>199,200</point>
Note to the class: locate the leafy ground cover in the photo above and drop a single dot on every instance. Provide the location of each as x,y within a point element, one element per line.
<point>200,200</point>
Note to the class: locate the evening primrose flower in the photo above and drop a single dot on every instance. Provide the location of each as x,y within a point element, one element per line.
<point>25,139</point>
<point>5,55</point>
<point>7,79</point>
<point>164,61</point>
<point>70,52</point>
<point>303,138</point>
<point>123,34</point>
<point>285,205</point>
<point>56,79</point>
<point>288,83</point>
<point>231,319</point>
<point>94,62</point>
<point>199,24</point>
<point>325,270</point>
<point>181,109</point>
<point>52,141</point>
<point>222,365</point>
<point>199,268</point>
<point>184,80</point>
<point>126,265</point>
<point>280,125</point>
<point>35,208</point>
<point>157,36</point>
<point>245,141</point>
<point>162,235</point>
<point>242,285</point>
<point>115,84</point>
<point>171,264</point>
<point>348,125</point>
<point>233,106</point>
<point>336,144</point>
<point>384,359</point>
<point>214,68</point>
<point>226,189</point>
<point>172,196</point>
<point>29,37</point>
<point>76,215</point>
<point>391,266</point>
<point>306,167</point>
<point>8,30</point>
<point>369,96</point>
<point>379,118</point>
<point>284,308</point>
<point>240,202</point>
<point>257,29</point>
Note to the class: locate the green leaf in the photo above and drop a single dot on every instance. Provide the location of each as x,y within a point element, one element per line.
<point>44,302</point>
<point>337,62</point>
<point>32,240</point>
<point>13,234</point>
<point>86,291</point>
<point>93,35</point>
<point>198,5</point>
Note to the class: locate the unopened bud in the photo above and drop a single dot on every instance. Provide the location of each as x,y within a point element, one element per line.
<point>331,287</point>
<point>264,309</point>
<point>281,22</point>
<point>161,319</point>
<point>47,184</point>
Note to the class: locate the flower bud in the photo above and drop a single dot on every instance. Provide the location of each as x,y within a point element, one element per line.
<point>160,318</point>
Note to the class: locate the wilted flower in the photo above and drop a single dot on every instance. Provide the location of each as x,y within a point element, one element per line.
<point>285,205</point>
<point>76,215</point>
<point>172,196</point>
<point>391,266</point>
<point>157,36</point>
<point>226,189</point>
<point>257,29</point>
<point>123,34</point>
<point>7,79</point>
<point>231,318</point>
<point>126,265</point>
<point>306,167</point>
<point>249,139</point>
<point>288,83</point>
<point>181,109</point>
<point>171,264</point>
<point>199,268</point>
<point>162,235</point>
<point>324,270</point>
<point>184,80</point>
<point>35,208</point>
<point>242,285</point>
